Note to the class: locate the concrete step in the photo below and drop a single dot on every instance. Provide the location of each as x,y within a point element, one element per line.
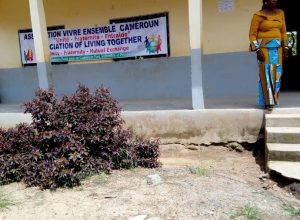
<point>282,120</point>
<point>285,111</point>
<point>287,135</point>
<point>283,152</point>
<point>287,169</point>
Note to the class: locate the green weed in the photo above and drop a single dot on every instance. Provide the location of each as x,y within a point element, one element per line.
<point>200,171</point>
<point>102,176</point>
<point>248,212</point>
<point>293,211</point>
<point>5,202</point>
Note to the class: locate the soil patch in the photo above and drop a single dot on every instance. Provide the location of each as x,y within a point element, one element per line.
<point>231,181</point>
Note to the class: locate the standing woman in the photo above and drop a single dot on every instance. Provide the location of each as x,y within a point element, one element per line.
<point>268,38</point>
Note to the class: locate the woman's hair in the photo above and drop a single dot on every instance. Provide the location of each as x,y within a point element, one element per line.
<point>264,3</point>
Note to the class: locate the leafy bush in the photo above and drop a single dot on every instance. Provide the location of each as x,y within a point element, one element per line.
<point>69,139</point>
<point>16,146</point>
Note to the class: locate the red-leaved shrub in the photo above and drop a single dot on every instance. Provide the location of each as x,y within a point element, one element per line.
<point>69,139</point>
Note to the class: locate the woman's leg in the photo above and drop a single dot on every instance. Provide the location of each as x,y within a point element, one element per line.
<point>264,84</point>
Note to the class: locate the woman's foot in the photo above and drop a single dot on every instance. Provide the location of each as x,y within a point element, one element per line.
<point>269,107</point>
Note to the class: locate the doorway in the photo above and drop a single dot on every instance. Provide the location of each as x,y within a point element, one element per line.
<point>291,66</point>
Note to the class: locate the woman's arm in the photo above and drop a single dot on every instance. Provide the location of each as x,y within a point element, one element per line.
<point>254,27</point>
<point>284,38</point>
<point>283,32</point>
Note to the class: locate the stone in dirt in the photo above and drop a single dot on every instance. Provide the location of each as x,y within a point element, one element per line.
<point>154,179</point>
<point>235,146</point>
<point>138,217</point>
<point>264,176</point>
<point>295,187</point>
<point>192,147</point>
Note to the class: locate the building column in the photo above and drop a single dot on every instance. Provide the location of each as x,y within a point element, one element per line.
<point>195,27</point>
<point>42,51</point>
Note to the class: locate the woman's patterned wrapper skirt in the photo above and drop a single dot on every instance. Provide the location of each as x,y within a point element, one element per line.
<point>270,72</point>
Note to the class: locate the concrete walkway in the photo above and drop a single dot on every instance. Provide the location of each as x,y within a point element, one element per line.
<point>287,100</point>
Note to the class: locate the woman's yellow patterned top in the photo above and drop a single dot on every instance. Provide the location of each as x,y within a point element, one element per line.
<point>266,27</point>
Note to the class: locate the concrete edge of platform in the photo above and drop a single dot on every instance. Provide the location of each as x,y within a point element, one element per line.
<point>9,120</point>
<point>198,126</point>
<point>183,126</point>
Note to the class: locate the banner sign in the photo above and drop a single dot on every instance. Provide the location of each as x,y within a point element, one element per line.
<point>121,40</point>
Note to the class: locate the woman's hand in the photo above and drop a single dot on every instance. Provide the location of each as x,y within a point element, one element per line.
<point>285,53</point>
<point>260,55</point>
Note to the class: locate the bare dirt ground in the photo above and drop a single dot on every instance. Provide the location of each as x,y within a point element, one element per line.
<point>230,180</point>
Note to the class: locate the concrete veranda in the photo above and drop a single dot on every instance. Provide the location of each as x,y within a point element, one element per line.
<point>287,100</point>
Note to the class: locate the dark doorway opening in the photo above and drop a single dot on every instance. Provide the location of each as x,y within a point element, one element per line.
<point>291,71</point>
